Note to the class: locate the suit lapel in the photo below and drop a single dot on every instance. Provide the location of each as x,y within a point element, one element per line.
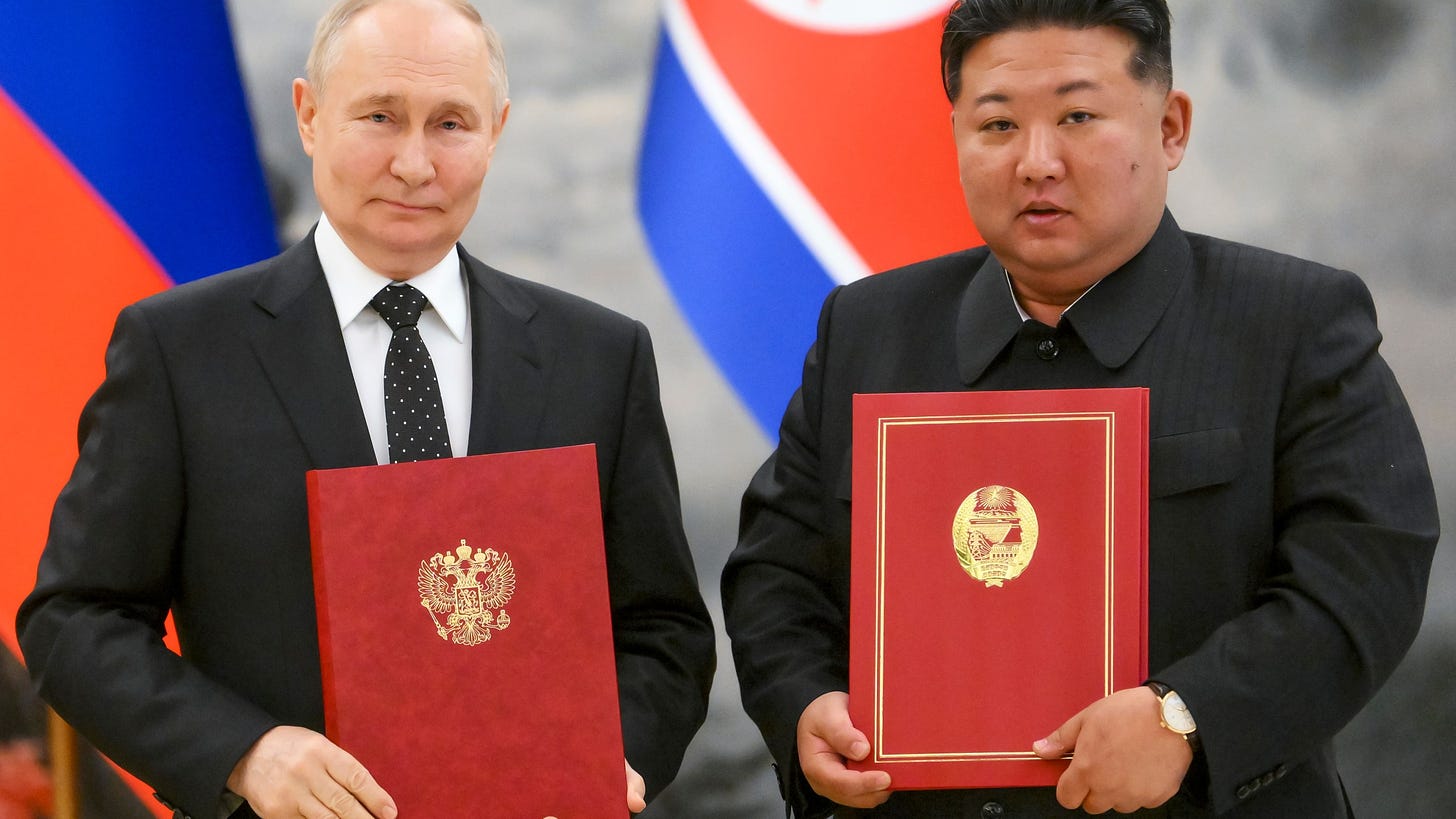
<point>508,363</point>
<point>302,352</point>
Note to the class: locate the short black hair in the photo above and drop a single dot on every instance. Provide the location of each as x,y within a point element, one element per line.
<point>1148,21</point>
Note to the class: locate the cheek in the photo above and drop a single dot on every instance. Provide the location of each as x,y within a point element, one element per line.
<point>354,164</point>
<point>463,171</point>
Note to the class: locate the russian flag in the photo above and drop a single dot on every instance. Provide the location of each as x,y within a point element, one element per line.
<point>791,145</point>
<point>127,164</point>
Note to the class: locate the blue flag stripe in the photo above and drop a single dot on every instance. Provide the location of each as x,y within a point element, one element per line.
<point>747,282</point>
<point>146,102</point>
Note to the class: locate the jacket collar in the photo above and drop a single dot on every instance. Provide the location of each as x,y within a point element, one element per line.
<point>1113,319</point>
<point>303,353</point>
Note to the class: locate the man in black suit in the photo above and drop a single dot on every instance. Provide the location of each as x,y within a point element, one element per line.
<point>1292,517</point>
<point>189,491</point>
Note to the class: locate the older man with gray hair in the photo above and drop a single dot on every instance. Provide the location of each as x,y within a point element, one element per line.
<point>188,495</point>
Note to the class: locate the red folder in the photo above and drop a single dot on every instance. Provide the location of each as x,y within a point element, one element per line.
<point>465,633</point>
<point>998,575</point>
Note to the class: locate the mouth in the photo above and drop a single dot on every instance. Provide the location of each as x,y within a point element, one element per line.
<point>405,206</point>
<point>1041,212</point>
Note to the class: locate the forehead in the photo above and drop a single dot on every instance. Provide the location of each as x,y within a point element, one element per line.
<point>1046,58</point>
<point>404,47</point>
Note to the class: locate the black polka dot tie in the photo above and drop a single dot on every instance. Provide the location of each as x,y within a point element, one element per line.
<point>414,415</point>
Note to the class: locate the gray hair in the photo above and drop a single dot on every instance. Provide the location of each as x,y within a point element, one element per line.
<point>324,54</point>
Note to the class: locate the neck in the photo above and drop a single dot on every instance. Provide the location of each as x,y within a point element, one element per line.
<point>1045,307</point>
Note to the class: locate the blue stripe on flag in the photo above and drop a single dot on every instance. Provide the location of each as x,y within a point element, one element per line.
<point>145,101</point>
<point>747,282</point>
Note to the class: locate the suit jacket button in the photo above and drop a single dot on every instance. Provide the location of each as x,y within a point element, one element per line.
<point>1047,349</point>
<point>1280,771</point>
<point>1267,779</point>
<point>992,810</point>
<point>1244,792</point>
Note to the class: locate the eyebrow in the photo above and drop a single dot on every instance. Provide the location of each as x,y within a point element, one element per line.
<point>1061,91</point>
<point>1076,85</point>
<point>388,100</point>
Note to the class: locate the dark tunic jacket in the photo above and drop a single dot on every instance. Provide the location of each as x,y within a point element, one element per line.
<point>1292,517</point>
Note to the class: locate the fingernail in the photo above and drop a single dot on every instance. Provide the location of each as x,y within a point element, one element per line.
<point>1041,746</point>
<point>858,749</point>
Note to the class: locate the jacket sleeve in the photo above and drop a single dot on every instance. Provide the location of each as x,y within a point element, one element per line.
<point>1342,594</point>
<point>786,584</point>
<point>92,628</point>
<point>663,636</point>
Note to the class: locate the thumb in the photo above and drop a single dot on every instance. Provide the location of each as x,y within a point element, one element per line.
<point>846,740</point>
<point>1061,741</point>
<point>827,721</point>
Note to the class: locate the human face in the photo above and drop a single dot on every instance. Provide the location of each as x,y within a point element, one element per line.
<point>401,134</point>
<point>1064,156</point>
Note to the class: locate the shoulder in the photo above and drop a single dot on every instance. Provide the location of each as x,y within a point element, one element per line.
<point>938,280</point>
<point>213,297</point>
<point>1256,267</point>
<point>565,316</point>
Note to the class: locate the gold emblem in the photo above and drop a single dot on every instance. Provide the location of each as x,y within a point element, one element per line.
<point>450,583</point>
<point>994,534</point>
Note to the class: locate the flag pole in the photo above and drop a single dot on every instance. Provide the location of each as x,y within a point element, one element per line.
<point>65,770</point>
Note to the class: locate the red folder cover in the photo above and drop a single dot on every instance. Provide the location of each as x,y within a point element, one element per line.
<point>998,575</point>
<point>465,633</point>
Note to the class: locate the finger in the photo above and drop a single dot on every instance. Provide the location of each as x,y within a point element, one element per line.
<point>1072,789</point>
<point>636,789</point>
<point>828,776</point>
<point>360,791</point>
<point>1061,741</point>
<point>836,729</point>
<point>856,789</point>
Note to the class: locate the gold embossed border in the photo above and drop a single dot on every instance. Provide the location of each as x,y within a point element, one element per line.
<point>1108,420</point>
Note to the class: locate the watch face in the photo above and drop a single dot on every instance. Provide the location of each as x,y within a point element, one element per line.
<point>1176,715</point>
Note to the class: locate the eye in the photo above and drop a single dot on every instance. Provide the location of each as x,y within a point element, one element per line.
<point>1078,117</point>
<point>377,117</point>
<point>999,126</point>
<point>451,125</point>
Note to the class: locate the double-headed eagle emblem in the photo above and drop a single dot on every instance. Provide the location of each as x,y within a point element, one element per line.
<point>471,589</point>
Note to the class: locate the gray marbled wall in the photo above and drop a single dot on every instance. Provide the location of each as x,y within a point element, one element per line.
<point>1323,128</point>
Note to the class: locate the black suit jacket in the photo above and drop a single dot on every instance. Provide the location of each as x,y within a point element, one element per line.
<point>189,495</point>
<point>1292,517</point>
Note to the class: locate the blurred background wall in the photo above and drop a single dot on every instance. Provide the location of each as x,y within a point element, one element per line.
<point>1323,128</point>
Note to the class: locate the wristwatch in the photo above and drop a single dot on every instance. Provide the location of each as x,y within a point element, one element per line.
<point>1174,714</point>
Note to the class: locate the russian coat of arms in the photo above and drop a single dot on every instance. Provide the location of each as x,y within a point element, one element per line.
<point>994,533</point>
<point>470,590</point>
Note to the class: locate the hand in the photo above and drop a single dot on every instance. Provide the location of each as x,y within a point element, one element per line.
<point>292,772</point>
<point>826,738</point>
<point>1124,758</point>
<point>636,790</point>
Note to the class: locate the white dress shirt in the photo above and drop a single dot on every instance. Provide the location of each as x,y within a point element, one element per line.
<point>444,326</point>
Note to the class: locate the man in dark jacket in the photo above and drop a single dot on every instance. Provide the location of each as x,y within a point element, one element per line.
<point>1291,519</point>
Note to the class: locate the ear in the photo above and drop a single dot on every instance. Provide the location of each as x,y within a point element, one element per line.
<point>305,109</point>
<point>1176,124</point>
<point>497,128</point>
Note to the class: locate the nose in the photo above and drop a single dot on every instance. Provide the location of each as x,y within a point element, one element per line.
<point>1041,156</point>
<point>413,163</point>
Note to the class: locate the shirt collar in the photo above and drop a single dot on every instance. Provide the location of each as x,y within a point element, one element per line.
<point>353,284</point>
<point>1021,311</point>
<point>1112,318</point>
